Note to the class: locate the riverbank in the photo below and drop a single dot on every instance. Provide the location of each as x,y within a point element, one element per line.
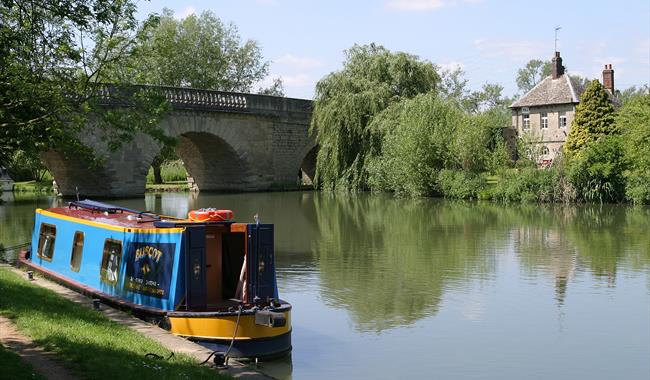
<point>87,342</point>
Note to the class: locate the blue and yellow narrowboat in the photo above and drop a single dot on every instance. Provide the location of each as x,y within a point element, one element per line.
<point>206,278</point>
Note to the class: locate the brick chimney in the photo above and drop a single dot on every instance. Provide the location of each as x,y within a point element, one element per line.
<point>556,66</point>
<point>608,78</point>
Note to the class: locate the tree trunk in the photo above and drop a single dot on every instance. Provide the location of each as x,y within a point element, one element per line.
<point>157,178</point>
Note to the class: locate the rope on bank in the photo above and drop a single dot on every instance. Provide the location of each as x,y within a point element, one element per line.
<point>232,342</point>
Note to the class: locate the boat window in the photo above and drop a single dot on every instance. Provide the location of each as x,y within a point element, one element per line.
<point>111,261</point>
<point>46,241</point>
<point>77,250</point>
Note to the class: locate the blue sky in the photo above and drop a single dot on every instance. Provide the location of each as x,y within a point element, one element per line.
<point>489,39</point>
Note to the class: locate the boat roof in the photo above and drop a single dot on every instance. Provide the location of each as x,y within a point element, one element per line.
<point>107,214</point>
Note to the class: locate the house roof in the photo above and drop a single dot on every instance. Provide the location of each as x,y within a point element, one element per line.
<point>562,90</point>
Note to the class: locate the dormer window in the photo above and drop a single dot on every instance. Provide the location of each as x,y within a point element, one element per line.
<point>544,120</point>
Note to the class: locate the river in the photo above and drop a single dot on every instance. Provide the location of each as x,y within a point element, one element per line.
<point>387,288</point>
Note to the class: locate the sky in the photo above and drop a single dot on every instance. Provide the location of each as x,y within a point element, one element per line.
<point>489,39</point>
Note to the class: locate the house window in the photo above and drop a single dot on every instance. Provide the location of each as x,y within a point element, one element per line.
<point>46,240</point>
<point>526,121</point>
<point>562,121</point>
<point>77,251</point>
<point>544,120</point>
<point>110,268</point>
<point>545,150</point>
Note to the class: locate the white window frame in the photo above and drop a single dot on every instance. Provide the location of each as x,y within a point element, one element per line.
<point>525,121</point>
<point>562,122</point>
<point>544,120</point>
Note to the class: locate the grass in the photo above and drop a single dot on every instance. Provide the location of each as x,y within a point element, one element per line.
<point>88,343</point>
<point>15,368</point>
<point>170,172</point>
<point>33,186</point>
<point>168,186</point>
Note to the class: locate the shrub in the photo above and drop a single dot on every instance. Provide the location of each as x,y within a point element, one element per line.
<point>597,171</point>
<point>460,184</point>
<point>528,185</point>
<point>418,147</point>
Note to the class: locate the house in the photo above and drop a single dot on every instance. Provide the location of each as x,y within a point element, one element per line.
<point>546,111</point>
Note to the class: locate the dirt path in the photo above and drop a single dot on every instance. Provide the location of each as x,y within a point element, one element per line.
<point>43,361</point>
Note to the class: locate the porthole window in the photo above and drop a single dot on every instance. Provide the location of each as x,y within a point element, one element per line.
<point>46,240</point>
<point>77,251</point>
<point>111,259</point>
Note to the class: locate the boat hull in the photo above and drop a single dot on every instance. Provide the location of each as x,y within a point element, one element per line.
<point>210,329</point>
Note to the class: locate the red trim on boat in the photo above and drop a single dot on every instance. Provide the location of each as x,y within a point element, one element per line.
<point>86,290</point>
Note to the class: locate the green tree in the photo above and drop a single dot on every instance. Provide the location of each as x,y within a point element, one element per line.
<point>631,93</point>
<point>598,172</point>
<point>197,51</point>
<point>346,101</point>
<point>48,79</point>
<point>531,74</point>
<point>633,120</point>
<point>594,119</point>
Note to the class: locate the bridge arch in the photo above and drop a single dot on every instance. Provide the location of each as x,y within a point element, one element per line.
<point>212,162</point>
<point>307,169</point>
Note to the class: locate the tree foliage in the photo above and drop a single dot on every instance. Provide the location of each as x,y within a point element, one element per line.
<point>427,134</point>
<point>598,172</point>
<point>346,101</point>
<point>197,51</point>
<point>633,120</point>
<point>531,74</point>
<point>594,119</point>
<point>48,78</point>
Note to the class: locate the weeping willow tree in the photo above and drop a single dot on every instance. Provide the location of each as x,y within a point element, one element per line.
<point>372,79</point>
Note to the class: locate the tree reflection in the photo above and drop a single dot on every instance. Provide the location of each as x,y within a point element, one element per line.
<point>390,261</point>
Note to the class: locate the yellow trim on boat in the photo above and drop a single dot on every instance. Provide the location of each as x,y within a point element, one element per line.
<point>111,227</point>
<point>223,327</point>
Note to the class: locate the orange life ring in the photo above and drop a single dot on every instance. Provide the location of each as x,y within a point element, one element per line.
<point>210,215</point>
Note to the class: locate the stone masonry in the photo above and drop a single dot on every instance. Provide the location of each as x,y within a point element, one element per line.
<point>228,142</point>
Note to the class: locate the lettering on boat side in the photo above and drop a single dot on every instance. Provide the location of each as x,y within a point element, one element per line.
<point>149,268</point>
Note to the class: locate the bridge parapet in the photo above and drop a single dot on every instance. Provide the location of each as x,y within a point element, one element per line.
<point>206,100</point>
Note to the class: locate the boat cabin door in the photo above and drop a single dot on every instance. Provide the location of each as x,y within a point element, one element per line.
<point>261,263</point>
<point>195,269</point>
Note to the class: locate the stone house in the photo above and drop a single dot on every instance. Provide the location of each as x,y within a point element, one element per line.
<point>546,111</point>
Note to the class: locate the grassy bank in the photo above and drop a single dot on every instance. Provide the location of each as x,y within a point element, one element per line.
<point>15,368</point>
<point>33,187</point>
<point>89,343</point>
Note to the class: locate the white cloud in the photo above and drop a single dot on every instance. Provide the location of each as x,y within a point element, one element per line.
<point>297,80</point>
<point>298,62</point>
<point>186,12</point>
<point>517,51</point>
<point>424,5</point>
<point>452,65</point>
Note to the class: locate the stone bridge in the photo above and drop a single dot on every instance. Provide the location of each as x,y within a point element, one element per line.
<point>227,141</point>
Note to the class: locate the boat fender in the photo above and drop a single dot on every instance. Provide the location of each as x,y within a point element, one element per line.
<point>270,318</point>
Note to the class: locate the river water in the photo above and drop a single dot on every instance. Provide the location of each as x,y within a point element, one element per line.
<point>384,288</point>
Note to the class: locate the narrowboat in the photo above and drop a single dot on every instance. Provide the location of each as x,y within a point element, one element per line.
<point>206,278</point>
